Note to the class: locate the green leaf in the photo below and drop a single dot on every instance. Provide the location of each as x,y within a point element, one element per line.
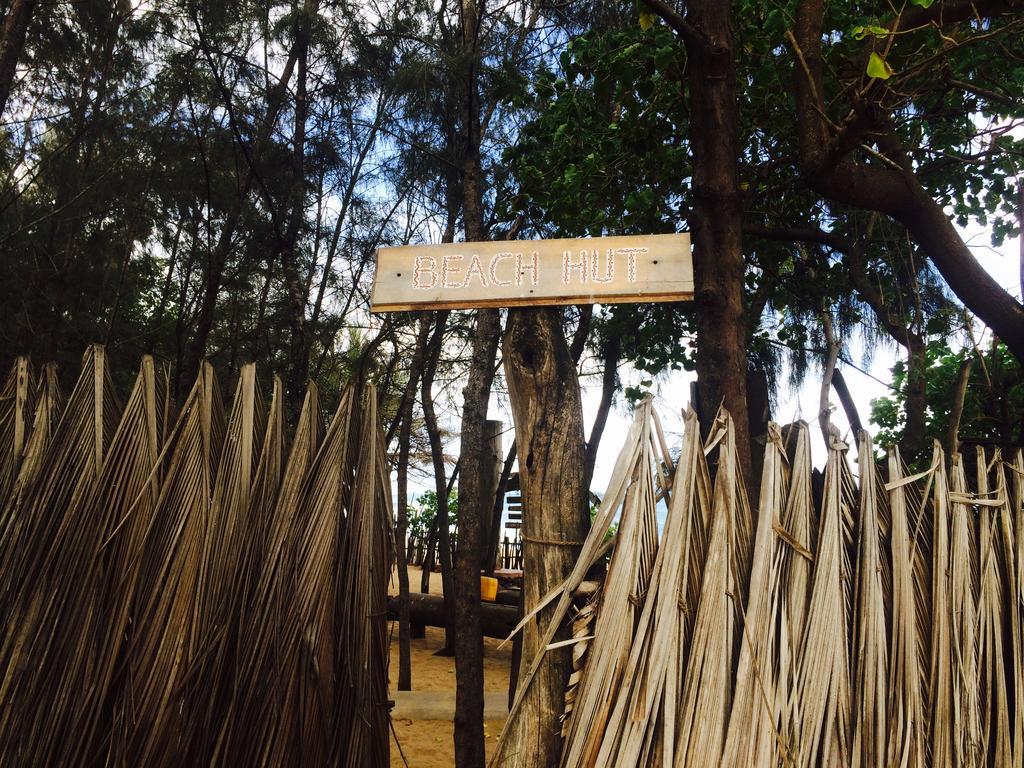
<point>647,19</point>
<point>922,3</point>
<point>878,67</point>
<point>861,31</point>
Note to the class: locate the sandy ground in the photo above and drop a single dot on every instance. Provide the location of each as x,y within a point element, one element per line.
<point>428,743</point>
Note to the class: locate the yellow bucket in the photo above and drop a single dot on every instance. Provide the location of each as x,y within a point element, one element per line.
<point>488,588</point>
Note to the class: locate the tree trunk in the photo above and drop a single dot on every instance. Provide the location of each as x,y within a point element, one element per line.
<point>444,544</point>
<point>474,508</point>
<point>492,462</point>
<point>475,505</point>
<point>12,44</point>
<point>402,523</point>
<point>963,380</point>
<point>716,219</point>
<point>545,398</point>
<point>913,444</point>
<point>849,406</point>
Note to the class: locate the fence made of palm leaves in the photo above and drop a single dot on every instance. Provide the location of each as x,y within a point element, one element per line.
<point>181,587</point>
<point>872,619</point>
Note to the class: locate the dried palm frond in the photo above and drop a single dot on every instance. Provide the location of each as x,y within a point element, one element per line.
<point>796,559</point>
<point>1014,516</point>
<point>706,694</point>
<point>967,746</point>
<point>46,558</point>
<point>992,598</point>
<point>165,639</point>
<point>582,632</point>
<point>907,740</point>
<point>252,730</point>
<point>645,712</point>
<point>752,737</point>
<point>941,673</point>
<point>881,627</point>
<point>823,687</point>
<point>93,581</point>
<point>15,422</point>
<point>311,642</point>
<point>218,588</point>
<point>625,587</point>
<point>181,598</point>
<point>367,550</point>
<point>871,659</point>
<point>49,407</point>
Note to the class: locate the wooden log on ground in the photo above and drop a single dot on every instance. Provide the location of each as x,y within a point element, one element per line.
<point>497,620</point>
<point>508,597</point>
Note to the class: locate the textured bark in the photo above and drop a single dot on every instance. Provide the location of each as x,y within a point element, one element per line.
<point>13,43</point>
<point>716,219</point>
<point>474,508</point>
<point>545,398</point>
<point>475,504</point>
<point>914,442</point>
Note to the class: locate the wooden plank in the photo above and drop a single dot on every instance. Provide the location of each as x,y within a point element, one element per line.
<point>514,499</point>
<point>516,273</point>
<point>512,524</point>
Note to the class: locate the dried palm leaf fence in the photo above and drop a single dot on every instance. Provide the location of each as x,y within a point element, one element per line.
<point>181,589</point>
<point>876,625</point>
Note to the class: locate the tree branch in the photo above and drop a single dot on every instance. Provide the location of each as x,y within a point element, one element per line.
<point>690,34</point>
<point>831,171</point>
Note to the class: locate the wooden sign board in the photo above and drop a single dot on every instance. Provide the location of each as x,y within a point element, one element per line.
<point>517,273</point>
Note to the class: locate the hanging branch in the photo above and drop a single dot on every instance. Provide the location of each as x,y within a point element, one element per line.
<point>828,430</point>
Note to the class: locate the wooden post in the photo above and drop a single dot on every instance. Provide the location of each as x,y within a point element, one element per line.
<point>494,459</point>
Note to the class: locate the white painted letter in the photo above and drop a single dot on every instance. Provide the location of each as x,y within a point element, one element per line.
<point>609,267</point>
<point>475,269</point>
<point>568,265</point>
<point>424,266</point>
<point>532,266</point>
<point>493,268</point>
<point>446,270</point>
<point>631,266</point>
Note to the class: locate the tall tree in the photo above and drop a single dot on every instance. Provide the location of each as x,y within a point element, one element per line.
<point>716,215</point>
<point>474,505</point>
